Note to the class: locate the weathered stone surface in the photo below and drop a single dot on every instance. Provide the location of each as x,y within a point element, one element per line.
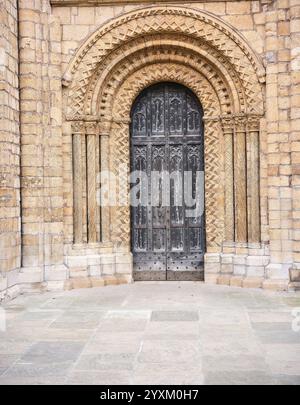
<point>133,334</point>
<point>60,89</point>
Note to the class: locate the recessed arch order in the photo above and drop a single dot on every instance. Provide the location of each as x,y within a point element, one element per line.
<point>200,51</point>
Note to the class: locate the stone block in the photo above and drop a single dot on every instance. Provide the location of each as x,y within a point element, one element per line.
<point>295,275</point>
<point>276,285</point>
<point>108,259</point>
<point>75,32</point>
<point>252,282</point>
<point>211,278</point>
<point>239,269</point>
<point>110,280</point>
<point>212,258</point>
<point>30,275</point>
<point>240,22</point>
<point>108,268</point>
<point>255,271</point>
<point>226,259</point>
<point>94,270</point>
<point>217,8</point>
<point>68,285</point>
<point>257,260</point>
<point>55,285</point>
<point>239,259</point>
<point>77,261</point>
<point>123,279</point>
<point>93,260</point>
<point>78,272</point>
<point>97,282</point>
<point>277,271</point>
<point>224,279</point>
<point>241,7</point>
<point>82,282</point>
<point>124,268</point>
<point>227,268</point>
<point>236,281</point>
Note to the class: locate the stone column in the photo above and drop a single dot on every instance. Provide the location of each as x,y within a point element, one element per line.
<point>253,184</point>
<point>92,138</point>
<point>228,128</point>
<point>104,168</point>
<point>78,130</point>
<point>240,180</point>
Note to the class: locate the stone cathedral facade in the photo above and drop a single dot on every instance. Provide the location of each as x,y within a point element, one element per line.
<point>81,80</point>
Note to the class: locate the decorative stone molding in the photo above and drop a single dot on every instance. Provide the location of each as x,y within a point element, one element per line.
<point>83,3</point>
<point>163,49</point>
<point>253,123</point>
<point>78,127</point>
<point>194,24</point>
<point>122,102</point>
<point>189,47</point>
<point>92,128</point>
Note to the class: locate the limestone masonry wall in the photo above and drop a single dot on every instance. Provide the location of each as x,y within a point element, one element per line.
<point>10,237</point>
<point>38,41</point>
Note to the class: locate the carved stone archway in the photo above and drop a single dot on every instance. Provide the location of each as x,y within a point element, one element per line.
<point>166,44</point>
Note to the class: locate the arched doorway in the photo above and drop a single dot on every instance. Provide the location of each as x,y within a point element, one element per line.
<point>167,199</point>
<point>226,75</point>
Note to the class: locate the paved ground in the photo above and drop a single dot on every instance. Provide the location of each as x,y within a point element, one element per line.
<point>151,333</point>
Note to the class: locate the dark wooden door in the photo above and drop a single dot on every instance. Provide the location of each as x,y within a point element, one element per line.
<point>167,165</point>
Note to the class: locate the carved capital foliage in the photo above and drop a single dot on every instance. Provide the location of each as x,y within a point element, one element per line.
<point>228,124</point>
<point>105,126</point>
<point>240,123</point>
<point>92,128</point>
<point>253,123</point>
<point>78,127</point>
<point>156,44</point>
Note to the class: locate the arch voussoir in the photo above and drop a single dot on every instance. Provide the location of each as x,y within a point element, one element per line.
<point>198,25</point>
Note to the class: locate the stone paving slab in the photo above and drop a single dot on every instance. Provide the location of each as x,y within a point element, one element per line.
<point>151,333</point>
<point>183,316</point>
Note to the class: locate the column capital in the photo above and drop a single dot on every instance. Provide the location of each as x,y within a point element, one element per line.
<point>78,127</point>
<point>105,126</point>
<point>253,123</point>
<point>227,124</point>
<point>91,127</point>
<point>240,122</point>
